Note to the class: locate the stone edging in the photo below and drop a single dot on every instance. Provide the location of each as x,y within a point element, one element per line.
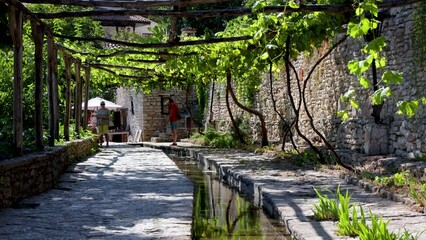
<point>369,187</point>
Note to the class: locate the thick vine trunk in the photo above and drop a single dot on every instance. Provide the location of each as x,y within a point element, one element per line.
<point>293,104</point>
<point>211,104</point>
<point>311,120</point>
<point>274,105</point>
<point>264,132</point>
<point>234,124</point>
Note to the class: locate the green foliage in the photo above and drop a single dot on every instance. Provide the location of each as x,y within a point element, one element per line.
<point>367,25</point>
<point>378,229</point>
<point>418,191</point>
<point>398,179</point>
<point>5,36</point>
<point>408,108</point>
<point>350,226</point>
<point>244,128</point>
<point>353,223</point>
<point>202,96</point>
<point>327,209</point>
<point>214,138</point>
<point>419,34</point>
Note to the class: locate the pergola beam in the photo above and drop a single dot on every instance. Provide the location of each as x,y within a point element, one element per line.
<point>120,67</point>
<point>125,4</point>
<point>329,8</point>
<point>157,45</point>
<point>121,75</point>
<point>125,52</point>
<point>147,61</point>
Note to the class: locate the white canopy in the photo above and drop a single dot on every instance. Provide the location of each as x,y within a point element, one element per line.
<point>95,103</point>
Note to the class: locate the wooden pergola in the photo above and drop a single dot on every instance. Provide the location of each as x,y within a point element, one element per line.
<point>17,10</point>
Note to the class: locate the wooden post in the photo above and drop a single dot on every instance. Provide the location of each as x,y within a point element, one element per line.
<point>50,88</point>
<point>67,60</point>
<point>86,96</point>
<point>15,18</point>
<point>37,34</point>
<point>77,101</point>
<point>55,91</point>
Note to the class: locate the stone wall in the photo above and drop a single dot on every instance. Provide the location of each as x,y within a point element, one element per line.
<point>36,173</point>
<point>397,134</point>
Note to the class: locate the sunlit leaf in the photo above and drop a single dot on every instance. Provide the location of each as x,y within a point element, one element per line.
<point>380,62</point>
<point>380,95</point>
<point>258,35</point>
<point>271,46</point>
<point>359,67</point>
<point>343,114</point>
<point>348,95</point>
<point>264,56</point>
<point>365,83</point>
<point>408,108</point>
<point>392,77</point>
<point>376,45</point>
<point>354,104</point>
<point>292,4</point>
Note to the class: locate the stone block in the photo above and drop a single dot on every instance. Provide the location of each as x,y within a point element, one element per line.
<point>376,139</point>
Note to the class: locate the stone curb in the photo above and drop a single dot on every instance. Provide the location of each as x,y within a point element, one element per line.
<point>383,193</point>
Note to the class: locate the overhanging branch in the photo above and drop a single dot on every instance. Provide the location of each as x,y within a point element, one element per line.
<point>157,45</point>
<point>125,4</point>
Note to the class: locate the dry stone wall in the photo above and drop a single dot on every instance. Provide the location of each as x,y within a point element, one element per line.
<point>397,134</point>
<point>35,173</point>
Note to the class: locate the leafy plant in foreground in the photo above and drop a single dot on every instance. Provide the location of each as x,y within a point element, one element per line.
<point>418,192</point>
<point>329,209</point>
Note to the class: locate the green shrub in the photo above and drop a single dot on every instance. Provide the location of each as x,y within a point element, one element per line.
<point>351,223</point>
<point>215,138</point>
<point>351,226</point>
<point>418,192</point>
<point>331,209</point>
<point>377,231</point>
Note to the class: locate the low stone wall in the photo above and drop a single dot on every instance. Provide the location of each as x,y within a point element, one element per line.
<point>38,172</point>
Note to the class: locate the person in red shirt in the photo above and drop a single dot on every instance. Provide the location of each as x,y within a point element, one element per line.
<point>173,118</point>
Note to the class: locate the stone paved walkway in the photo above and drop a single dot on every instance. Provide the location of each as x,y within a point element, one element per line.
<point>123,192</point>
<point>134,192</point>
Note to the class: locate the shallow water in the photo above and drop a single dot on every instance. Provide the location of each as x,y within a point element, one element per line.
<point>222,213</point>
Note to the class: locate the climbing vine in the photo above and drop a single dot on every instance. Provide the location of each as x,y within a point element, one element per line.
<point>419,33</point>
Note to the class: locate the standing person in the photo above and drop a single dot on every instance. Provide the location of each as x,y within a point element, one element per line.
<point>173,118</point>
<point>102,117</point>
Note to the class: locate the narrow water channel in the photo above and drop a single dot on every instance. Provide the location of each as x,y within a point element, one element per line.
<point>222,213</point>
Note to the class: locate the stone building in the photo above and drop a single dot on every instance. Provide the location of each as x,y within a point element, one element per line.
<point>395,134</point>
<point>147,118</point>
<point>115,24</point>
